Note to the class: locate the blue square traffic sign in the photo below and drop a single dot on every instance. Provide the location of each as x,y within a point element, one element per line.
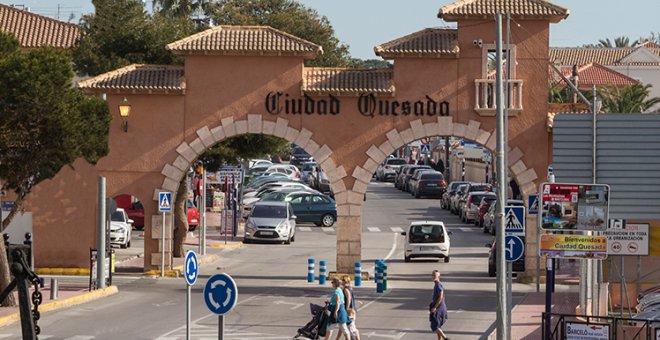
<point>164,201</point>
<point>514,220</point>
<point>533,204</point>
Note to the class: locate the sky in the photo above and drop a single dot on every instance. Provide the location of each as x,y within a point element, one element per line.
<point>363,24</point>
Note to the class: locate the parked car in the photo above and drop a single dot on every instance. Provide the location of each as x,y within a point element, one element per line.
<point>320,181</point>
<point>455,200</point>
<point>273,186</point>
<point>193,215</point>
<point>517,266</point>
<point>489,217</point>
<point>430,183</point>
<point>387,169</point>
<point>271,221</point>
<point>400,176</point>
<point>120,228</point>
<point>286,169</point>
<point>414,179</point>
<point>255,172</point>
<point>483,209</point>
<point>299,156</point>
<point>306,171</point>
<point>410,171</point>
<point>426,239</point>
<point>314,208</point>
<point>278,195</point>
<point>472,187</point>
<point>470,211</point>
<point>445,201</point>
<point>259,162</point>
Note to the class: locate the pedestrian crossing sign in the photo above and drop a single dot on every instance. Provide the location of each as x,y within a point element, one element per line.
<point>164,201</point>
<point>514,220</point>
<point>533,204</point>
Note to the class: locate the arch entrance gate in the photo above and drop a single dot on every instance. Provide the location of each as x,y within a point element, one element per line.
<point>251,80</point>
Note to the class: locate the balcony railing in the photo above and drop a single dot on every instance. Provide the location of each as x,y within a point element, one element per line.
<point>484,99</point>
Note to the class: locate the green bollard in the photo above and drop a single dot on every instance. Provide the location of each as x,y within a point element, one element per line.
<point>384,266</point>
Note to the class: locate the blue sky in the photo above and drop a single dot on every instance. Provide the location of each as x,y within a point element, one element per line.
<point>363,24</point>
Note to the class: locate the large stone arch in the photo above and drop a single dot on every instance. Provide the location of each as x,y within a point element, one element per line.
<point>207,136</point>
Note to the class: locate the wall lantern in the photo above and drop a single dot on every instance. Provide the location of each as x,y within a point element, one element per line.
<point>124,111</point>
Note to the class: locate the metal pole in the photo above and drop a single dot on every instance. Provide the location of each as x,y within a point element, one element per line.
<point>548,297</point>
<point>447,156</point>
<point>188,312</point>
<point>202,236</point>
<point>221,327</point>
<point>100,235</point>
<point>639,274</point>
<point>162,250</point>
<point>621,283</point>
<point>509,292</point>
<point>503,315</point>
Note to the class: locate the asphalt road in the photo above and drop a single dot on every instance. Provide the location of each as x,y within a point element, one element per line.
<point>274,296</point>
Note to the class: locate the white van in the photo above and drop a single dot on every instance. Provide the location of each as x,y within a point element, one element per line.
<point>426,239</point>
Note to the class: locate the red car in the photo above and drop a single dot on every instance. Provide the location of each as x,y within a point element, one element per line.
<point>482,210</point>
<point>135,211</point>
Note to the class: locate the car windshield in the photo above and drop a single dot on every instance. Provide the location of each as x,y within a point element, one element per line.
<point>117,216</point>
<point>475,199</point>
<point>482,187</point>
<point>455,185</point>
<point>426,234</point>
<point>274,196</point>
<point>432,176</point>
<point>396,161</point>
<point>269,211</point>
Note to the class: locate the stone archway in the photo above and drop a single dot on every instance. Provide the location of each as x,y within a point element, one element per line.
<point>208,136</point>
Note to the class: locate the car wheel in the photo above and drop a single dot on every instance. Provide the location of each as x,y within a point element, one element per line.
<point>406,258</point>
<point>293,238</point>
<point>327,220</point>
<point>128,245</point>
<point>491,271</point>
<point>288,241</point>
<point>447,259</point>
<point>246,241</point>
<point>123,246</point>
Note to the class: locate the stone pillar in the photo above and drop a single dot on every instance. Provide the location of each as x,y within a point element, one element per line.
<point>156,234</point>
<point>349,243</point>
<point>531,251</point>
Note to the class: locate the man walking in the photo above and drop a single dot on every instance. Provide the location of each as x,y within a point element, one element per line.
<point>438,308</point>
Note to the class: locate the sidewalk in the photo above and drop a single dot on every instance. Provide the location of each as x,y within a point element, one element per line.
<point>69,294</point>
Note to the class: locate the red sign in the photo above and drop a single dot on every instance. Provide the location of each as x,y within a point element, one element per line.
<point>563,193</point>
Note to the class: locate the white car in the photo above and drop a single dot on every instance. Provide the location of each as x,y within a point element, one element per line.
<point>120,228</point>
<point>271,221</point>
<point>291,171</point>
<point>426,239</point>
<point>260,162</point>
<point>387,169</point>
<point>273,186</point>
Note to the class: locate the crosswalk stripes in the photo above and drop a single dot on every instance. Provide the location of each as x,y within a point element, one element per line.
<point>368,229</point>
<point>396,229</point>
<point>374,229</point>
<point>203,333</point>
<point>303,229</point>
<point>465,229</point>
<point>328,229</point>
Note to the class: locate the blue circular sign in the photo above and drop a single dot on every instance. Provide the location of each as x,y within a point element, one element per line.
<point>514,248</point>
<point>220,293</point>
<point>191,269</point>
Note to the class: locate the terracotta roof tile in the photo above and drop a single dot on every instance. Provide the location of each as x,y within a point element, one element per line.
<point>593,74</point>
<point>603,56</point>
<point>33,30</point>
<point>245,40</point>
<point>343,81</point>
<point>523,9</point>
<point>430,42</point>
<point>138,78</point>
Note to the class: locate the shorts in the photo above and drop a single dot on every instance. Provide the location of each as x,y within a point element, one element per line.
<point>343,328</point>
<point>352,329</point>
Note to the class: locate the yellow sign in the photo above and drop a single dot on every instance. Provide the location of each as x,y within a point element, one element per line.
<point>580,246</point>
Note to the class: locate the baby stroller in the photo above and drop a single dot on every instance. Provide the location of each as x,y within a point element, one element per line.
<point>316,327</point>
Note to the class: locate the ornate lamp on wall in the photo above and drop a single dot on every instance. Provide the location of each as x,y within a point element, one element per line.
<point>124,111</point>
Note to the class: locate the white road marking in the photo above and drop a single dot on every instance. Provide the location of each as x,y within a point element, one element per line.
<point>389,336</point>
<point>465,229</point>
<point>80,337</point>
<point>394,242</point>
<point>374,229</point>
<point>295,305</point>
<point>328,229</point>
<point>397,229</point>
<point>303,229</point>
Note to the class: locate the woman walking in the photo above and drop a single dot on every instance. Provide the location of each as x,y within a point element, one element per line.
<point>351,307</point>
<point>438,308</point>
<point>338,316</point>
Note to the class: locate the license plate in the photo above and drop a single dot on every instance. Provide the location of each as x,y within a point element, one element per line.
<point>431,185</point>
<point>425,248</point>
<point>267,233</point>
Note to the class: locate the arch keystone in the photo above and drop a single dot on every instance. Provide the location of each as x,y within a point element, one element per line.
<point>303,138</point>
<point>518,168</point>
<point>376,154</point>
<point>181,163</point>
<point>407,136</point>
<point>218,133</point>
<point>197,146</point>
<point>281,126</point>
<point>361,174</point>
<point>445,126</point>
<point>394,138</point>
<point>431,129</point>
<point>386,147</point>
<point>472,130</point>
<point>459,129</point>
<point>205,135</point>
<point>312,147</point>
<point>527,176</point>
<point>322,154</point>
<point>268,127</point>
<point>291,134</point>
<point>228,125</point>
<point>514,156</point>
<point>170,185</point>
<point>417,129</point>
<point>241,127</point>
<point>483,136</point>
<point>187,152</point>
<point>254,123</point>
<point>370,165</point>
<point>172,172</point>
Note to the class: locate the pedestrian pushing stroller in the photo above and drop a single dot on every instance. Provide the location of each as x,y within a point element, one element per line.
<point>316,327</point>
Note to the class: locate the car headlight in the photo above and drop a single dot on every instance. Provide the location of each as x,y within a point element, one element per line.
<point>282,227</point>
<point>250,225</point>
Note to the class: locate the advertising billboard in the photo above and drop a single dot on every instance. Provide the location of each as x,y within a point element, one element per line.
<point>573,246</point>
<point>567,206</point>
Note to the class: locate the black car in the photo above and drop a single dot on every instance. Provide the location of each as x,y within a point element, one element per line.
<point>430,183</point>
<point>299,156</point>
<point>410,171</point>
<point>518,265</point>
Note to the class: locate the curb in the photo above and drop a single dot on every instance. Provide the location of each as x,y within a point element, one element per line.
<point>62,271</point>
<point>227,246</point>
<point>58,304</point>
<point>332,275</point>
<point>177,270</point>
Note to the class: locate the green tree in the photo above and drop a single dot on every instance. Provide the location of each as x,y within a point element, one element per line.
<point>120,33</point>
<point>618,42</point>
<point>631,99</point>
<point>288,16</point>
<point>178,8</point>
<point>45,124</point>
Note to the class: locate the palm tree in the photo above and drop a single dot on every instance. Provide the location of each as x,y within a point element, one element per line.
<point>618,42</point>
<point>179,8</point>
<point>630,99</point>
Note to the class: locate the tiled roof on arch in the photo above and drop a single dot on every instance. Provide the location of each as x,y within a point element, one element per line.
<point>34,30</point>
<point>138,78</point>
<point>247,41</point>
<point>521,9</point>
<point>347,81</point>
<point>430,42</point>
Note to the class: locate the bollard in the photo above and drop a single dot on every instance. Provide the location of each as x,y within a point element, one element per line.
<point>376,265</point>
<point>379,279</point>
<point>310,270</point>
<point>42,282</point>
<point>358,274</point>
<point>54,288</point>
<point>321,272</point>
<point>384,276</point>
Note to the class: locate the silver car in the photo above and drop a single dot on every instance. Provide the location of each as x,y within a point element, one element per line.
<point>271,221</point>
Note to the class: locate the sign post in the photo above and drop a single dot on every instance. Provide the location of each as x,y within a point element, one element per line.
<point>164,205</point>
<point>191,273</point>
<point>221,296</point>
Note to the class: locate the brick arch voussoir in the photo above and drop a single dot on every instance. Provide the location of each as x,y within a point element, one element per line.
<point>444,126</point>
